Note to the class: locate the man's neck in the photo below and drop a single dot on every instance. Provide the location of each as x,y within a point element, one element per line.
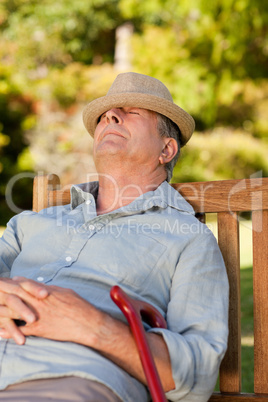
<point>116,191</point>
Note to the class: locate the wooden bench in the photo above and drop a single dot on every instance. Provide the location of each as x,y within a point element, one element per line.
<point>227,199</point>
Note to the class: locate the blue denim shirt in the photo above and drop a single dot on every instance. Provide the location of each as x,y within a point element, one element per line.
<point>157,251</point>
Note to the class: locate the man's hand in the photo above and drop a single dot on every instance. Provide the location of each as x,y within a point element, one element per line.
<point>48,311</point>
<point>13,306</point>
<point>64,316</point>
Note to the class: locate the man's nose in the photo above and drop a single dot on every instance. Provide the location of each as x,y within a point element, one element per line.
<point>113,116</point>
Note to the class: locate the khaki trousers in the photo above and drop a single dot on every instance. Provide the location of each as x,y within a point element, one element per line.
<point>72,389</point>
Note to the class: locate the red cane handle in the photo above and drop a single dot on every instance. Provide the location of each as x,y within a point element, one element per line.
<point>133,310</point>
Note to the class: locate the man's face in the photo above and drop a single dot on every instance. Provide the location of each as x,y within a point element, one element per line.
<point>129,133</point>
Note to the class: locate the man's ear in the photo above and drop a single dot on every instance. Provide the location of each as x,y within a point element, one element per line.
<point>169,151</point>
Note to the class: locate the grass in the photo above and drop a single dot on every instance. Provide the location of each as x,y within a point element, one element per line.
<point>247,351</point>
<point>246,279</point>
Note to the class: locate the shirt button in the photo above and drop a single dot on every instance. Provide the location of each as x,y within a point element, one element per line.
<point>91,227</point>
<point>88,202</point>
<point>40,279</point>
<point>68,259</point>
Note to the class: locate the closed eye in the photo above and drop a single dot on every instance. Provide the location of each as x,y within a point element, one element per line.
<point>131,112</point>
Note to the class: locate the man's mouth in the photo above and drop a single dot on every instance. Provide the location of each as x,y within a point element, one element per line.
<point>112,132</point>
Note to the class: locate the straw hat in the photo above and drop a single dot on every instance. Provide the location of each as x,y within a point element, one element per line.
<point>141,91</point>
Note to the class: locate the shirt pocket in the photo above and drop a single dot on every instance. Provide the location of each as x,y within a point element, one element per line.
<point>130,257</point>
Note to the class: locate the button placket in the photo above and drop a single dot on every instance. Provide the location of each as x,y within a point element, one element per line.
<point>70,255</point>
<point>89,209</point>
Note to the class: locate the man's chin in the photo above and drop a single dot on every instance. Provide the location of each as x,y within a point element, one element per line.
<point>109,149</point>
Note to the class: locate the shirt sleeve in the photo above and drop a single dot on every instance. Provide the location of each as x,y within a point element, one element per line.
<point>197,319</point>
<point>10,246</point>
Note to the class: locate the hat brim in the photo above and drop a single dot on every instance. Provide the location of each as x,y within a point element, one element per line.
<point>97,107</point>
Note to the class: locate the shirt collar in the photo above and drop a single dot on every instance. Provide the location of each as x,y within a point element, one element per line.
<point>83,192</point>
<point>165,195</point>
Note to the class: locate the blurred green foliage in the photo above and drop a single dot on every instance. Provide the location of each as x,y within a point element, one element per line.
<point>15,107</point>
<point>212,56</point>
<point>221,154</point>
<point>57,33</point>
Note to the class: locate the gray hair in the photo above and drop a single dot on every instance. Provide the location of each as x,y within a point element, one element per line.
<point>167,128</point>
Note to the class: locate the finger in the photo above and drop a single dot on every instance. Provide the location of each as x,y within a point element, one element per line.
<point>17,308</point>
<point>5,312</point>
<point>4,334</point>
<point>10,330</point>
<point>8,286</point>
<point>34,288</point>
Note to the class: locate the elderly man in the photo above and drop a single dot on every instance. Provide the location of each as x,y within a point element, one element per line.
<point>129,228</point>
